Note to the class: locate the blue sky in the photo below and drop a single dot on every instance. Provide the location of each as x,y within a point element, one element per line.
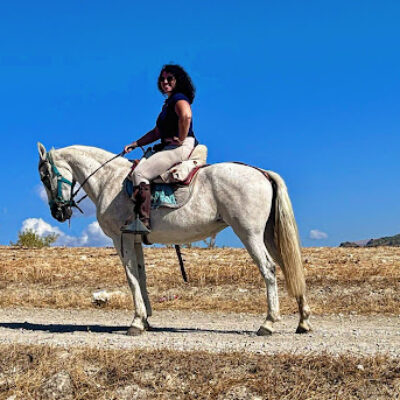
<point>307,89</point>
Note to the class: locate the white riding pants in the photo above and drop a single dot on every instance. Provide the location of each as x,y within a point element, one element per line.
<point>160,162</point>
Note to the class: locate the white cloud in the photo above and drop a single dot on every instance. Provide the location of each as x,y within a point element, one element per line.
<point>41,192</point>
<point>39,226</point>
<point>318,235</point>
<point>95,235</point>
<point>90,237</point>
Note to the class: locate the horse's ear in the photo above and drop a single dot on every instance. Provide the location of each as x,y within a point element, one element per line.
<point>42,151</point>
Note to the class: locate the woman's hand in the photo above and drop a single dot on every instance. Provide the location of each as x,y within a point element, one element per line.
<point>129,147</point>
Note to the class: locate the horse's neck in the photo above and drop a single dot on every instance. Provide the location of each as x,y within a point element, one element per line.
<point>83,161</point>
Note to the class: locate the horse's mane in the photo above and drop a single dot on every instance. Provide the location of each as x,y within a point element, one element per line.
<point>89,149</point>
<point>97,153</point>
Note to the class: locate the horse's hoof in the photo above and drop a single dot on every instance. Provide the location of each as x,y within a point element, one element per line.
<point>133,331</point>
<point>147,326</point>
<point>262,331</point>
<point>303,328</point>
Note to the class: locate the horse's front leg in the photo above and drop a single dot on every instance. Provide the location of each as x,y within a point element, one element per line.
<point>142,275</point>
<point>132,269</point>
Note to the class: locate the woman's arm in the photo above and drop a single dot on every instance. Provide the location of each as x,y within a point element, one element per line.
<point>148,138</point>
<point>184,112</point>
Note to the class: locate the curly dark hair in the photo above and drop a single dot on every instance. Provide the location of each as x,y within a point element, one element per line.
<point>183,82</point>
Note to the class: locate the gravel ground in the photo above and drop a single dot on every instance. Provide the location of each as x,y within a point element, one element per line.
<point>214,332</point>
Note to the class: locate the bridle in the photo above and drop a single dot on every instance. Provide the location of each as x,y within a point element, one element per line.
<point>57,201</point>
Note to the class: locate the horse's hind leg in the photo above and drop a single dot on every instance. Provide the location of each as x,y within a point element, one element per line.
<point>304,310</point>
<point>254,244</point>
<point>267,268</point>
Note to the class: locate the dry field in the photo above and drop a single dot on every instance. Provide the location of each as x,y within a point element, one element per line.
<point>33,372</point>
<point>349,282</point>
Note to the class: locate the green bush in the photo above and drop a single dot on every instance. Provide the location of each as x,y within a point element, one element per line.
<point>29,238</point>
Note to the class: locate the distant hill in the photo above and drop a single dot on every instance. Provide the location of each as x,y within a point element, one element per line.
<point>385,241</point>
<point>349,244</point>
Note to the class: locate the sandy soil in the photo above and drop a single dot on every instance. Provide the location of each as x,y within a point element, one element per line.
<point>214,332</point>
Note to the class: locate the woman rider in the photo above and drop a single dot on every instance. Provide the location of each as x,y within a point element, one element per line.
<point>174,127</point>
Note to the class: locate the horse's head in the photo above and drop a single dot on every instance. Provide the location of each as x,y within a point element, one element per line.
<point>58,182</point>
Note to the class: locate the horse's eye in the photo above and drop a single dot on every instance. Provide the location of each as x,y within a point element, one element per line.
<point>46,182</point>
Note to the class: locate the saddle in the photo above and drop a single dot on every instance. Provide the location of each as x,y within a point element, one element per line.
<point>184,171</point>
<point>171,189</point>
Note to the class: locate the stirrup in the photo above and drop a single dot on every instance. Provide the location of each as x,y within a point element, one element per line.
<point>137,227</point>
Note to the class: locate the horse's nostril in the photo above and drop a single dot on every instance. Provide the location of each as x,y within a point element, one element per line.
<point>54,213</point>
<point>60,213</point>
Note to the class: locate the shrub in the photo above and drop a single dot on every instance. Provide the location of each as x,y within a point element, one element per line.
<point>211,242</point>
<point>29,238</point>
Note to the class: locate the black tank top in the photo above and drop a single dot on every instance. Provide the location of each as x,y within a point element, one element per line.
<point>167,121</point>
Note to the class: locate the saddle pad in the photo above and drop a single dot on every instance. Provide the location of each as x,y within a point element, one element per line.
<point>161,194</point>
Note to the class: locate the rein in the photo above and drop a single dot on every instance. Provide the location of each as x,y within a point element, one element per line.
<point>86,179</point>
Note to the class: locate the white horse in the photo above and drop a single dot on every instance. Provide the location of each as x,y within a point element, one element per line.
<point>226,194</point>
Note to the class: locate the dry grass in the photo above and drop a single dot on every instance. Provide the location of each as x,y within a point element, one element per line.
<point>30,372</point>
<point>340,280</point>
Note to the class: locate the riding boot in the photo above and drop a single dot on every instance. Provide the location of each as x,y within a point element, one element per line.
<point>142,197</point>
<point>143,204</point>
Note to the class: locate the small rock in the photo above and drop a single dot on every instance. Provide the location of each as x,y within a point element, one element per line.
<point>360,367</point>
<point>103,296</point>
<point>91,369</point>
<point>59,386</point>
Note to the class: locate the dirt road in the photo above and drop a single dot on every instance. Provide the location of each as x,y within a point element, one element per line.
<point>178,330</point>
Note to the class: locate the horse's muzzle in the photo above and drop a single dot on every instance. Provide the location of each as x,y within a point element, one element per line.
<point>61,212</point>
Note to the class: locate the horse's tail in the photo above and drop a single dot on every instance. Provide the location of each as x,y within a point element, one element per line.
<point>286,238</point>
